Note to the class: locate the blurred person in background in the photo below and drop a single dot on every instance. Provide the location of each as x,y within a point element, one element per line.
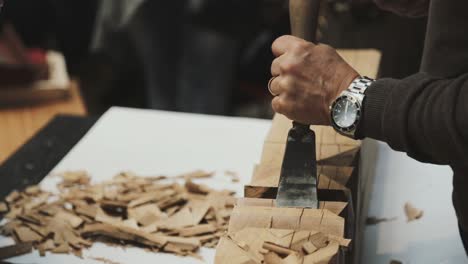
<point>190,50</point>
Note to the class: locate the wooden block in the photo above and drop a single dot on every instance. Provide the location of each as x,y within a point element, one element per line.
<point>252,220</point>
<point>323,221</point>
<point>345,158</point>
<point>228,252</point>
<point>309,248</point>
<point>299,238</point>
<point>246,216</point>
<point>260,241</point>
<point>323,255</point>
<point>265,217</point>
<point>286,218</point>
<point>319,240</point>
<point>267,177</point>
<point>334,207</point>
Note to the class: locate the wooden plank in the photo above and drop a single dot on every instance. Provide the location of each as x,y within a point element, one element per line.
<point>18,124</point>
<point>286,218</point>
<point>334,207</point>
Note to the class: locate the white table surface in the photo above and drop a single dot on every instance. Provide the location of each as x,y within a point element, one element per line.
<point>156,142</point>
<point>159,143</point>
<point>434,238</point>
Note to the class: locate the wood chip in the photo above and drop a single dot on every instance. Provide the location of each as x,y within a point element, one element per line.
<point>412,213</point>
<point>272,258</point>
<point>197,230</point>
<point>26,234</point>
<point>319,240</point>
<point>293,259</point>
<point>234,176</point>
<point>104,260</point>
<point>3,207</point>
<point>70,218</point>
<point>197,188</point>
<point>309,248</point>
<point>128,210</point>
<point>282,251</point>
<point>13,197</point>
<point>199,174</point>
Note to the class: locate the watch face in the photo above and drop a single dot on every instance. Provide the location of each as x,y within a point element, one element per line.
<point>345,112</point>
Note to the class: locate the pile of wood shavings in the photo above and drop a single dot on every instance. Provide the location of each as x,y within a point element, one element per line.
<point>152,213</point>
<point>271,246</point>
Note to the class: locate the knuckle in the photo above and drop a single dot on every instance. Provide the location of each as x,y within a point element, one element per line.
<point>324,49</point>
<point>285,83</point>
<point>300,47</point>
<point>279,41</point>
<point>288,66</point>
<point>276,105</point>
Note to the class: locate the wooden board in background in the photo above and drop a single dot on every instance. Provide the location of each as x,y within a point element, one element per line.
<point>18,124</point>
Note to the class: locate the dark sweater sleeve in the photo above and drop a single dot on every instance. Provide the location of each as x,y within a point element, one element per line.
<point>424,116</point>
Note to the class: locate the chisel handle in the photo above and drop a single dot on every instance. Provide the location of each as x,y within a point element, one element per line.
<point>303,16</point>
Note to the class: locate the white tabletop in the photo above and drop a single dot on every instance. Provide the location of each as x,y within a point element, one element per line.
<point>434,238</point>
<point>159,143</point>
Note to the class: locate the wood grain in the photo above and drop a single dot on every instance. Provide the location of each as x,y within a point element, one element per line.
<point>18,124</point>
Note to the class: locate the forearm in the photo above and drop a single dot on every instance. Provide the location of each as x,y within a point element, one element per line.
<point>421,115</point>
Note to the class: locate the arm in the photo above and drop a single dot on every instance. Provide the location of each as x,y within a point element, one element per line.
<point>421,115</point>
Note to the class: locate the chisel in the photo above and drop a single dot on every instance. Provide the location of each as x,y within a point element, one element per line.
<point>298,180</point>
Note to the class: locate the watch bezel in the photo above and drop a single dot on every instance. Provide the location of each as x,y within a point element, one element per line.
<point>349,130</point>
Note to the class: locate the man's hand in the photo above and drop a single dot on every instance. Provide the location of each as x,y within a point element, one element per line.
<point>308,78</point>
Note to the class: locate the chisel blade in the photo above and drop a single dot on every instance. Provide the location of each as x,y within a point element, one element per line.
<point>298,180</point>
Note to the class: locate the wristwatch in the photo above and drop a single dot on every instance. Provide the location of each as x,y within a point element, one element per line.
<point>346,110</point>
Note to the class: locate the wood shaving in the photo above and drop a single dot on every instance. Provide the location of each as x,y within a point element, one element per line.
<point>104,260</point>
<point>412,213</point>
<point>234,176</point>
<point>127,210</point>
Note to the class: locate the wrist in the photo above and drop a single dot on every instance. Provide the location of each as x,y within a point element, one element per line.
<point>346,111</point>
<point>344,83</point>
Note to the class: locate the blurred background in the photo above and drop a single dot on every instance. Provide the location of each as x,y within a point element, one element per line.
<point>201,56</point>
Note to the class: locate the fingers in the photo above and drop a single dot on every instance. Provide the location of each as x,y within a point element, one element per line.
<point>276,66</point>
<point>277,104</point>
<point>281,84</point>
<point>274,87</point>
<point>283,104</point>
<point>286,43</point>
